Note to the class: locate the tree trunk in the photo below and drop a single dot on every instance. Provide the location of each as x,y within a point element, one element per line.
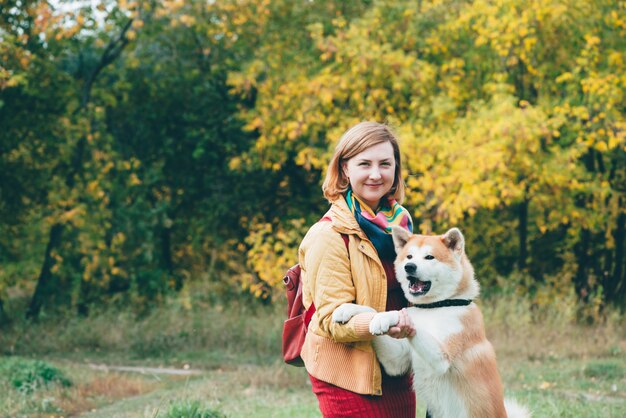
<point>45,283</point>
<point>3,316</point>
<point>581,249</point>
<point>617,291</point>
<point>523,233</point>
<point>167,264</point>
<point>82,307</point>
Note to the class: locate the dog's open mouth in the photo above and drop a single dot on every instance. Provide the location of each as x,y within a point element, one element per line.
<point>418,287</point>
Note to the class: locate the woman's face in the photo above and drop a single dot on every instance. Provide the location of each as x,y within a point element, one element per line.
<point>371,173</point>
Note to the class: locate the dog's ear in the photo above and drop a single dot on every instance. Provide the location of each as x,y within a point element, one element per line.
<point>453,239</point>
<point>400,237</point>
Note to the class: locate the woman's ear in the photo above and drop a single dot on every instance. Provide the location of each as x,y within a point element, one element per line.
<point>344,169</point>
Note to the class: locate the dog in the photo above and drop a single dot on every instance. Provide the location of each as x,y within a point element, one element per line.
<point>452,362</point>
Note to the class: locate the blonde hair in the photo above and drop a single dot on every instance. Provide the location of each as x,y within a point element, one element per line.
<point>354,141</point>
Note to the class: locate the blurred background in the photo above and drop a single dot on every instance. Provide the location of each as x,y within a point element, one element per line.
<point>160,162</point>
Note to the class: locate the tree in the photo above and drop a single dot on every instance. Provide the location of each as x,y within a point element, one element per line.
<point>65,197</point>
<point>476,93</point>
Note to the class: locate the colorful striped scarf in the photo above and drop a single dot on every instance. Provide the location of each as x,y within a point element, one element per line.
<point>377,225</point>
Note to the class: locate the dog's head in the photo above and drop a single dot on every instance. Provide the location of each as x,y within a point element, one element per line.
<point>432,268</point>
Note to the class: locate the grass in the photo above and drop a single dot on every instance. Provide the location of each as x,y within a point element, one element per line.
<point>189,408</point>
<point>547,362</point>
<point>81,390</point>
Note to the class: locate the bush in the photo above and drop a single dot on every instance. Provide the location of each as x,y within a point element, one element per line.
<point>605,370</point>
<point>189,409</point>
<point>30,375</point>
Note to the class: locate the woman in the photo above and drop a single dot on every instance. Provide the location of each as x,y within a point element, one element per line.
<point>363,184</point>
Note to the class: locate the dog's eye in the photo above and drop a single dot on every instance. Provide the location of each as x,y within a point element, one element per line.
<point>429,257</point>
<point>409,256</point>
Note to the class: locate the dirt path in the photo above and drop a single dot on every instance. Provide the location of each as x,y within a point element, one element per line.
<point>147,370</point>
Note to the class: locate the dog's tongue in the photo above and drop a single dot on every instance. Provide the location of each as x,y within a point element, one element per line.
<point>417,286</point>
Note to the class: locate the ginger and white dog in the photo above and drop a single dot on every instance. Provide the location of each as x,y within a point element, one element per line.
<point>452,362</point>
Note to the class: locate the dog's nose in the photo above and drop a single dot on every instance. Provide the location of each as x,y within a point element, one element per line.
<point>410,268</point>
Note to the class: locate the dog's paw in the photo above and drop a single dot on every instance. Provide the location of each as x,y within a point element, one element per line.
<point>346,311</point>
<point>382,321</point>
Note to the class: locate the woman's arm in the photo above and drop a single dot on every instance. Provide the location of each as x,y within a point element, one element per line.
<point>328,280</point>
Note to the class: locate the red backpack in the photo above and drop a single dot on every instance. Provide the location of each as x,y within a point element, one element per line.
<point>298,318</point>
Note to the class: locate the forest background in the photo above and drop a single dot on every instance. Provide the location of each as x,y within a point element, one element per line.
<point>160,162</point>
<point>145,145</point>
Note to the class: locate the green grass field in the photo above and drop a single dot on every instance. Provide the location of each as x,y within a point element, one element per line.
<point>556,368</point>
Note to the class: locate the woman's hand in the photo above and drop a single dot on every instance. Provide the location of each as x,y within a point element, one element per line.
<point>404,328</point>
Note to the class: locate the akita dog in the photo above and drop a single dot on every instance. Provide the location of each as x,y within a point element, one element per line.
<point>452,362</point>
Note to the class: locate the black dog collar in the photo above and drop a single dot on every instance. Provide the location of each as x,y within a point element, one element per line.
<point>444,303</point>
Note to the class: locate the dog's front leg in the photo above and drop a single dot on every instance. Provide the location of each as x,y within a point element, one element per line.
<point>393,354</point>
<point>430,350</point>
<point>346,311</point>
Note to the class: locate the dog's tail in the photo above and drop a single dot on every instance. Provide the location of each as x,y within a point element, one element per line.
<point>515,410</point>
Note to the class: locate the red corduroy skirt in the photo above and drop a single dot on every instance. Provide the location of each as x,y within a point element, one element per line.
<point>397,400</point>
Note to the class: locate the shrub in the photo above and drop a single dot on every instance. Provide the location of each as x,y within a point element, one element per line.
<point>29,375</point>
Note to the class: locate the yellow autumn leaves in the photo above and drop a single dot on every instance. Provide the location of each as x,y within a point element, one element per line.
<point>497,104</point>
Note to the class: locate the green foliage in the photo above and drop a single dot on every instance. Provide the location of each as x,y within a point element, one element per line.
<point>144,145</point>
<point>30,375</point>
<point>187,408</point>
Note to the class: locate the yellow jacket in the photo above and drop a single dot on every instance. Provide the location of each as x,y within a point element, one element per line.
<point>341,354</point>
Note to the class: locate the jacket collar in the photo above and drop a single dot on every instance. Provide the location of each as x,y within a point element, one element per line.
<point>342,218</point>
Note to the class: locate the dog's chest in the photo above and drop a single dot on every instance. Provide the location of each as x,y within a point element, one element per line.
<point>441,323</point>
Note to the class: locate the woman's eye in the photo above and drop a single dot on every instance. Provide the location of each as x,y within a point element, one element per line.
<point>429,257</point>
